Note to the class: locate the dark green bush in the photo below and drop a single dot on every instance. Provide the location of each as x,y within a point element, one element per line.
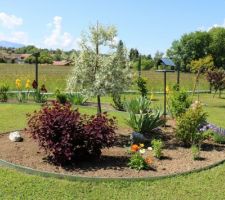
<point>61,97</point>
<point>141,83</point>
<point>3,93</point>
<point>118,104</point>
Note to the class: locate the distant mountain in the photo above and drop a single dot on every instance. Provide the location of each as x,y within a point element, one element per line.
<point>10,44</point>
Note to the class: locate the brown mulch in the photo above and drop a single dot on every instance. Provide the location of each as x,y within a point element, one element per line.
<point>113,162</point>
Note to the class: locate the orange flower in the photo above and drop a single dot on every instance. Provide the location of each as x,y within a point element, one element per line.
<point>149,160</point>
<point>134,148</point>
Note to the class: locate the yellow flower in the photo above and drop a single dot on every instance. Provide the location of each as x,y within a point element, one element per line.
<point>28,85</point>
<point>152,96</point>
<point>167,89</point>
<point>18,84</point>
<point>141,145</point>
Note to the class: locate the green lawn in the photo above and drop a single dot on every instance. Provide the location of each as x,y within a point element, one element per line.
<point>55,77</point>
<point>209,184</point>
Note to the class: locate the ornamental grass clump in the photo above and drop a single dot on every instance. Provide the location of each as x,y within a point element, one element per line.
<point>3,93</point>
<point>66,135</point>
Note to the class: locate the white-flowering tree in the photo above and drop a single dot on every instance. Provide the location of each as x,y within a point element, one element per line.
<point>96,73</point>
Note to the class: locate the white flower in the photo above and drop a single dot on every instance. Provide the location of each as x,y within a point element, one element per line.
<point>142,151</point>
<point>150,148</point>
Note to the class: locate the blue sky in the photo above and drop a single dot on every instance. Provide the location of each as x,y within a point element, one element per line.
<point>148,25</point>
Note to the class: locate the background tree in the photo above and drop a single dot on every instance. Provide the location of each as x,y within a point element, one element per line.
<point>95,73</point>
<point>217,46</point>
<point>134,54</point>
<point>201,66</point>
<point>191,46</point>
<point>157,57</point>
<point>216,79</point>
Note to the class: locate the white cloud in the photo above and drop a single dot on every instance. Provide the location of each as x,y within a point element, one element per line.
<point>10,21</point>
<point>16,36</point>
<point>203,28</point>
<point>58,38</point>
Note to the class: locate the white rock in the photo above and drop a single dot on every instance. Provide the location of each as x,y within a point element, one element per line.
<point>15,136</point>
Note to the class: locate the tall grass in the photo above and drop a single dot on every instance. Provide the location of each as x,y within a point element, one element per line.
<point>55,77</point>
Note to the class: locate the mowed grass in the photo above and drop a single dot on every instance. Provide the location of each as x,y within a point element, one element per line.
<point>13,116</point>
<point>206,185</point>
<point>55,77</point>
<point>209,184</point>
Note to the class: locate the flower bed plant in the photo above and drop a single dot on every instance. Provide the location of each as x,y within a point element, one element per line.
<point>67,135</point>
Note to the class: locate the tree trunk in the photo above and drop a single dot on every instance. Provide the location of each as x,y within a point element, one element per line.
<point>99,108</point>
<point>196,82</point>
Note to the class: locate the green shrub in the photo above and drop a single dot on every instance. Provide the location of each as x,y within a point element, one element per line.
<point>137,162</point>
<point>118,104</point>
<point>77,98</point>
<point>60,97</point>
<point>138,105</point>
<point>141,83</point>
<point>195,150</point>
<point>145,123</point>
<point>189,124</point>
<point>179,102</point>
<point>146,64</point>
<point>218,138</point>
<point>157,146</point>
<point>3,93</point>
<point>39,96</point>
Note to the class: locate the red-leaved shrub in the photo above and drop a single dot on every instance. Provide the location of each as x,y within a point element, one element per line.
<point>99,133</point>
<point>67,135</point>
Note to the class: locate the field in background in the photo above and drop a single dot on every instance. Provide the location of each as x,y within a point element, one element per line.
<point>55,77</point>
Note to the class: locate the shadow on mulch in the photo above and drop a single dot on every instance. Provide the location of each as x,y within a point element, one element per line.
<point>104,162</point>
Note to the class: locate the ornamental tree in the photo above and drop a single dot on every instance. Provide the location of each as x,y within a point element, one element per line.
<point>200,66</point>
<point>96,72</point>
<point>216,78</point>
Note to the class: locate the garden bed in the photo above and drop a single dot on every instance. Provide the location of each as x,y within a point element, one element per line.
<point>113,162</point>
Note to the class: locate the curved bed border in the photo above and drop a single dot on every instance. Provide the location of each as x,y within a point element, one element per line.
<point>32,171</point>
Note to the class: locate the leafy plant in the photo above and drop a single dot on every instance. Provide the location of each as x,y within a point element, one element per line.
<point>39,96</point>
<point>66,135</point>
<point>145,123</point>
<point>138,105</point>
<point>137,162</point>
<point>3,93</point>
<point>189,124</point>
<point>157,146</point>
<point>195,150</point>
<point>141,83</point>
<point>60,97</point>
<point>179,102</point>
<point>117,102</point>
<point>77,98</point>
<point>218,138</point>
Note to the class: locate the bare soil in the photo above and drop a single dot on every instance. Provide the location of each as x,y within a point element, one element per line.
<point>113,162</point>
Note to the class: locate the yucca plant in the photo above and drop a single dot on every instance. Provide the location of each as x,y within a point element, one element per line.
<point>138,105</point>
<point>77,98</point>
<point>145,123</point>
